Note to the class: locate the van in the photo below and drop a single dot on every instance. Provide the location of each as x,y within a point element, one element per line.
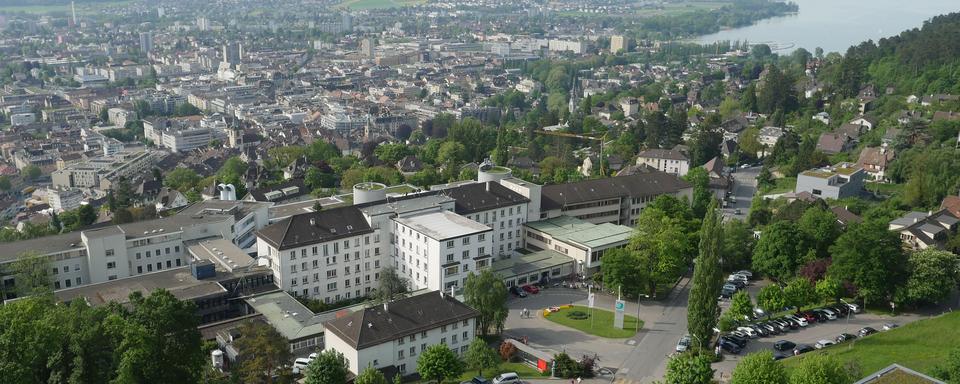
<point>507,378</point>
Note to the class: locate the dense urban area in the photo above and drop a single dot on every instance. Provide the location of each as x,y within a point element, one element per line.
<point>474,192</point>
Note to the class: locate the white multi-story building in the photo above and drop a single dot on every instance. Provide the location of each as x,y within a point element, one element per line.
<point>61,199</point>
<point>133,249</point>
<point>330,255</point>
<point>438,250</point>
<point>497,207</point>
<point>101,172</point>
<point>397,333</point>
<point>665,160</point>
<point>19,119</point>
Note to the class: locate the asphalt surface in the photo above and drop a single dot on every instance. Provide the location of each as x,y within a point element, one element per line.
<point>744,187</point>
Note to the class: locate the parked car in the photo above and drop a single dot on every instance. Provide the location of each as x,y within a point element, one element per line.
<point>780,356</point>
<point>820,316</point>
<point>736,277</point>
<point>750,332</point>
<point>809,316</point>
<point>842,310</point>
<point>300,365</point>
<point>831,315</point>
<point>683,344</point>
<point>784,345</point>
<point>746,273</point>
<point>476,380</point>
<point>739,341</point>
<point>853,307</point>
<point>516,291</point>
<point>823,343</point>
<point>737,283</point>
<point>531,289</point>
<point>737,211</point>
<point>844,337</point>
<point>507,378</point>
<point>729,347</point>
<point>802,321</point>
<point>889,326</point>
<point>772,330</point>
<point>762,331</point>
<point>801,349</point>
<point>866,331</point>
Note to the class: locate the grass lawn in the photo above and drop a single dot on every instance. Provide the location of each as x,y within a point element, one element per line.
<point>921,345</point>
<point>884,188</point>
<point>602,322</point>
<point>525,371</point>
<point>401,188</point>
<point>82,9</point>
<point>783,185</point>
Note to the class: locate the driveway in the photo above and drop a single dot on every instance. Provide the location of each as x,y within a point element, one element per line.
<point>744,187</point>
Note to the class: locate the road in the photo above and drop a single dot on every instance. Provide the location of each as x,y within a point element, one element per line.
<point>744,187</point>
<point>648,360</point>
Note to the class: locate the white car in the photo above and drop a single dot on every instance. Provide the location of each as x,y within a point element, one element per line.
<point>683,344</point>
<point>800,320</point>
<point>507,378</point>
<point>831,315</point>
<point>745,273</point>
<point>736,277</point>
<point>300,365</point>
<point>824,343</point>
<point>853,307</point>
<point>750,332</point>
<point>889,326</point>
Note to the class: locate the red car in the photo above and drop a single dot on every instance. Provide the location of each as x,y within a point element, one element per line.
<point>811,318</point>
<point>531,289</point>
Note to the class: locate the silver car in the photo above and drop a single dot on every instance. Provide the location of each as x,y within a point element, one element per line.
<point>683,344</point>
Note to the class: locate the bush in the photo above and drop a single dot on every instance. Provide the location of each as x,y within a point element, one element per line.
<point>578,315</point>
<point>565,367</point>
<point>507,351</point>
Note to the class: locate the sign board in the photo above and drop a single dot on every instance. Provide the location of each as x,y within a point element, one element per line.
<point>590,298</point>
<point>618,314</point>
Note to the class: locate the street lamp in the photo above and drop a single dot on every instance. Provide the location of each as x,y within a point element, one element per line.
<point>636,328</point>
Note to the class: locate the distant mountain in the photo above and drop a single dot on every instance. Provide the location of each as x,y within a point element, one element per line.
<point>8,3</point>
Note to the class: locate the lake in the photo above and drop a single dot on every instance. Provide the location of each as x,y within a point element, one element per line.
<point>835,25</point>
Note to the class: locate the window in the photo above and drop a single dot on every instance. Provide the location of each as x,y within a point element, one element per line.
<point>67,269</point>
<point>400,340</point>
<point>466,240</point>
<point>817,192</point>
<point>331,287</point>
<point>464,336</point>
<point>453,339</point>
<point>176,249</point>
<point>443,328</point>
<point>138,255</point>
<point>111,265</point>
<point>293,282</point>
<point>423,335</point>
<point>139,269</point>
<point>166,251</point>
<point>157,252</point>
<point>178,262</point>
<point>413,351</point>
<point>413,337</point>
<point>68,283</point>
<point>56,270</point>
<point>466,254</point>
<point>109,252</point>
<point>482,237</point>
<point>293,255</point>
<point>56,285</point>
<point>78,281</point>
<point>443,340</point>
<point>149,267</point>
<point>449,258</point>
<point>168,264</point>
<point>450,244</point>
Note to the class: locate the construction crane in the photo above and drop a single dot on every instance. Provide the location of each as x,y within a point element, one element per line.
<point>601,139</point>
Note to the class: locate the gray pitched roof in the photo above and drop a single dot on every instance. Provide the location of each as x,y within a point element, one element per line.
<point>645,182</point>
<point>315,227</point>
<point>480,197</point>
<point>377,325</point>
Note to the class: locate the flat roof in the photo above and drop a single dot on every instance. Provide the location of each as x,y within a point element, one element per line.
<point>223,253</point>
<point>293,320</point>
<point>178,281</point>
<point>573,230</point>
<point>407,205</point>
<point>42,245</point>
<point>286,210</point>
<point>443,225</point>
<point>529,263</point>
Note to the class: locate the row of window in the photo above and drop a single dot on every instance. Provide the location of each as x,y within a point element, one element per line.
<point>333,272</point>
<point>67,283</point>
<point>159,266</point>
<point>315,250</point>
<point>156,252</point>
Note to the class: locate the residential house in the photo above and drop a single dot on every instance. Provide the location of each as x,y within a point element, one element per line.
<point>665,160</point>
<point>720,180</point>
<point>865,122</point>
<point>832,182</point>
<point>946,116</point>
<point>875,160</point>
<point>409,165</point>
<point>844,216</point>
<point>952,204</point>
<point>169,198</point>
<point>769,136</point>
<point>922,230</point>
<point>822,117</point>
<point>834,143</point>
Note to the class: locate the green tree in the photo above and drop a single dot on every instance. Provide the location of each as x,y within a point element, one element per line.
<point>565,366</point>
<point>392,285</point>
<point>330,367</point>
<point>391,153</point>
<point>370,375</point>
<point>741,307</point>
<point>32,274</point>
<point>759,368</point>
<point>687,368</point>
<point>707,280</point>
<point>500,153</point>
<point>451,153</point>
<point>32,172</point>
<point>821,228</point>
<point>799,292</point>
<point>828,289</point>
<point>738,244</point>
<point>702,195</point>
<point>870,256</point>
<point>181,179</point>
<point>266,352</point>
<point>933,275</point>
<point>950,369</point>
<point>659,250</point>
<point>771,299</point>
<point>487,294</point>
<point>780,251</point>
<point>620,267</point>
<point>438,362</point>
<point>820,369</point>
<point>161,341</point>
<point>479,356</point>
